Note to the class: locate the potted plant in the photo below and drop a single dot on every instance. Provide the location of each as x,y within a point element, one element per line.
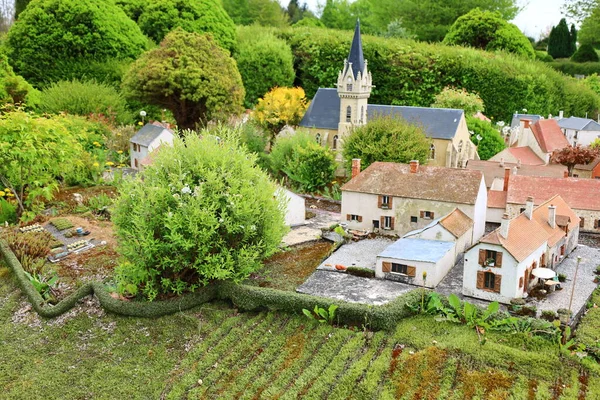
<point>490,262</point>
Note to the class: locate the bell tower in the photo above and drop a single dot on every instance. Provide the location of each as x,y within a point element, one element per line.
<point>353,87</point>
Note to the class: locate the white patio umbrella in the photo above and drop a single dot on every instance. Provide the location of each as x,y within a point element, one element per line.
<point>544,273</point>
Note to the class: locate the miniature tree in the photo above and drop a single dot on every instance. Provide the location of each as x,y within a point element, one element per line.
<point>450,97</point>
<point>190,75</point>
<point>203,211</point>
<point>278,108</point>
<point>570,156</point>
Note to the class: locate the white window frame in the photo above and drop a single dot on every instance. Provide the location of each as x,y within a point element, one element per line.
<point>387,222</point>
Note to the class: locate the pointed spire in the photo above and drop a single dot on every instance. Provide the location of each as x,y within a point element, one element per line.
<point>356,56</point>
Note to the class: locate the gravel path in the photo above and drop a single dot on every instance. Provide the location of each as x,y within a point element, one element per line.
<point>312,229</point>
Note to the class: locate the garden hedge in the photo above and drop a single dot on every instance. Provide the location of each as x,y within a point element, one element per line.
<point>406,72</point>
<point>244,297</point>
<point>573,68</point>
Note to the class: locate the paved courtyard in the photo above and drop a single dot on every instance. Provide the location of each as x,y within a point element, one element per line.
<point>356,254</point>
<point>312,229</point>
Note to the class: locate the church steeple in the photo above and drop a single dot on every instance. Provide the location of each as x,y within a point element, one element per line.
<point>353,87</point>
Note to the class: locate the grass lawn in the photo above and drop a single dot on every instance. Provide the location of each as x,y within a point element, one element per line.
<point>214,352</point>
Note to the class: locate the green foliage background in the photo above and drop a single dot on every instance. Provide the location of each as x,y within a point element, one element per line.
<point>410,73</point>
<point>585,53</point>
<point>491,142</point>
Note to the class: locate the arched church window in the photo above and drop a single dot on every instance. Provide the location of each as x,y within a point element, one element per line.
<point>460,146</point>
<point>432,152</point>
<point>335,142</point>
<point>348,114</point>
<point>318,138</point>
<point>349,84</point>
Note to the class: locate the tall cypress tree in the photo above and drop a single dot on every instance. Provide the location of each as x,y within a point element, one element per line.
<point>559,42</point>
<point>573,42</point>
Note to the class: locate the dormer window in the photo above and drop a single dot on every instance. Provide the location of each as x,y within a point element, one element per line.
<point>349,85</point>
<point>349,114</point>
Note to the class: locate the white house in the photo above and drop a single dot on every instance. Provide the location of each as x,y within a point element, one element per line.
<point>398,198</point>
<point>580,131</point>
<point>499,267</point>
<point>542,137</point>
<point>295,213</point>
<point>146,140</point>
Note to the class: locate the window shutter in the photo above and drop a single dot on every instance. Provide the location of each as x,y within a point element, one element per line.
<point>422,214</point>
<point>520,282</point>
<point>596,224</point>
<point>392,224</point>
<point>497,283</point>
<point>581,222</point>
<point>386,266</point>
<point>411,271</point>
<point>499,259</point>
<point>360,218</point>
<point>348,217</point>
<point>390,201</point>
<point>480,279</point>
<point>382,222</point>
<point>379,201</point>
<point>481,257</point>
<point>432,215</point>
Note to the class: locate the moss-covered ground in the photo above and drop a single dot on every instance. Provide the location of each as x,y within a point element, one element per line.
<point>214,352</point>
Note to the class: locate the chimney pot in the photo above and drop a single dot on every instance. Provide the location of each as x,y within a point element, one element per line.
<point>506,176</point>
<point>519,163</point>
<point>504,226</point>
<point>414,166</point>
<point>566,174</point>
<point>514,170</point>
<point>529,208</point>
<point>561,114</point>
<point>355,167</point>
<point>526,123</point>
<point>552,216</point>
<point>502,162</point>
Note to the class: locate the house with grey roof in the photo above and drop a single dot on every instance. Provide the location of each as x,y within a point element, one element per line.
<point>334,112</point>
<point>147,140</point>
<point>580,131</point>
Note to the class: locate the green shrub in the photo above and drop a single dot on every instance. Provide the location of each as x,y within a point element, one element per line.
<point>491,143</point>
<point>202,212</point>
<point>8,212</point>
<point>85,98</point>
<point>264,62</point>
<point>548,315</point>
<point>543,56</point>
<point>460,99</point>
<point>585,53</point>
<point>160,17</point>
<point>572,68</point>
<point>562,277</point>
<point>362,272</point>
<point>412,73</point>
<point>283,150</point>
<point>52,34</point>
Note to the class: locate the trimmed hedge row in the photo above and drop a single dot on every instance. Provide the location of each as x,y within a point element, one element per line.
<point>574,68</point>
<point>412,73</point>
<point>248,298</point>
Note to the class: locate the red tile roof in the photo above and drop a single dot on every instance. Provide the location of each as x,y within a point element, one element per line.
<point>492,170</point>
<point>457,222</point>
<point>549,135</point>
<point>527,235</point>
<point>455,185</point>
<point>514,154</point>
<point>496,199</point>
<point>580,194</point>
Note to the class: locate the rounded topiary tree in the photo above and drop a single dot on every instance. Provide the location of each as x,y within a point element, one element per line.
<point>52,38</point>
<point>159,17</point>
<point>491,142</point>
<point>190,75</point>
<point>202,211</point>
<point>585,53</point>
<point>264,62</point>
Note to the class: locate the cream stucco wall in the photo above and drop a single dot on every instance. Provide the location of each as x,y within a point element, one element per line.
<point>589,216</point>
<point>582,138</point>
<point>435,271</point>
<point>494,215</point>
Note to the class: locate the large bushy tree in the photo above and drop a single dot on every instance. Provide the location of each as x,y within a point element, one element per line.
<point>560,41</point>
<point>203,211</point>
<point>570,156</point>
<point>386,138</point>
<point>190,75</point>
<point>488,31</point>
<point>53,38</point>
<point>159,17</point>
<point>471,103</point>
<point>590,28</point>
<point>491,142</point>
<point>264,62</point>
<point>259,12</point>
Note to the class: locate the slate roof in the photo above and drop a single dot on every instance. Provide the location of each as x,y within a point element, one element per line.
<point>356,56</point>
<point>411,249</point>
<point>492,170</point>
<point>438,123</point>
<point>579,124</point>
<point>457,222</point>
<point>548,135</point>
<point>454,185</point>
<point>526,235</point>
<point>516,119</point>
<point>580,194</point>
<point>148,133</point>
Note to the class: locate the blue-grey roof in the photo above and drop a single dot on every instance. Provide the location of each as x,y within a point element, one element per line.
<point>579,124</point>
<point>417,250</point>
<point>516,119</point>
<point>356,56</point>
<point>438,123</point>
<point>421,230</point>
<point>147,134</point>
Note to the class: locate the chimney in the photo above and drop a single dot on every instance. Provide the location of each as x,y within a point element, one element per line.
<point>529,208</point>
<point>514,170</point>
<point>561,114</point>
<point>525,123</point>
<point>505,224</point>
<point>355,167</point>
<point>552,216</point>
<point>414,166</point>
<point>519,163</point>
<point>502,162</point>
<point>566,174</point>
<point>506,175</point>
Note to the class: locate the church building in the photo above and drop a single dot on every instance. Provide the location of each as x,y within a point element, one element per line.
<point>333,113</point>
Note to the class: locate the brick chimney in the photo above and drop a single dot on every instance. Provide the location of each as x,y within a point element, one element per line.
<point>355,167</point>
<point>526,123</point>
<point>504,226</point>
<point>561,114</point>
<point>552,216</point>
<point>566,174</point>
<point>529,208</point>
<point>506,176</point>
<point>414,166</point>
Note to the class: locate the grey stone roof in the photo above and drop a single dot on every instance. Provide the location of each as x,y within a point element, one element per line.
<point>356,56</point>
<point>517,118</point>
<point>438,123</point>
<point>146,135</point>
<point>579,124</point>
